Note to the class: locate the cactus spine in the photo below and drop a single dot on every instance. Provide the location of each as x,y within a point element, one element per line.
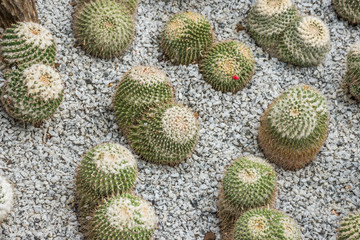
<point>352,77</point>
<point>6,198</point>
<point>349,228</point>
<point>131,5</point>
<point>348,9</point>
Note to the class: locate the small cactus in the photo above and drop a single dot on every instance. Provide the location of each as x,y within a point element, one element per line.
<point>104,28</point>
<point>228,66</point>
<point>6,198</point>
<point>141,88</point>
<point>350,228</point>
<point>166,134</point>
<point>265,224</point>
<point>27,43</point>
<point>294,127</point>
<point>352,77</point>
<point>32,94</point>
<point>268,19</point>
<point>348,9</point>
<point>186,37</point>
<point>131,5</point>
<point>306,42</point>
<point>125,217</point>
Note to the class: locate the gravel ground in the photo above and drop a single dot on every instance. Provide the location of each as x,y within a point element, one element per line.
<point>41,161</point>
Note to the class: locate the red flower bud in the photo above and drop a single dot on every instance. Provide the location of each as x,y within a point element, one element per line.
<point>235,77</point>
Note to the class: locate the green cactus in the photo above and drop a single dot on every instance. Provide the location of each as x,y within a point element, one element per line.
<point>348,9</point>
<point>166,134</point>
<point>125,217</point>
<point>352,76</point>
<point>294,127</point>
<point>6,198</point>
<point>27,43</point>
<point>228,66</point>
<point>32,94</point>
<point>265,224</point>
<point>104,28</point>
<point>350,228</point>
<point>141,88</point>
<point>186,37</point>
<point>305,43</point>
<point>268,19</point>
<point>131,5</point>
<point>249,182</point>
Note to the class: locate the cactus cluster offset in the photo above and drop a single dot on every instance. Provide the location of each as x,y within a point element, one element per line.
<point>228,66</point>
<point>166,134</point>
<point>294,127</point>
<point>126,217</point>
<point>265,224</point>
<point>186,37</point>
<point>32,94</point>
<point>348,9</point>
<point>104,28</point>
<point>27,43</point>
<point>6,198</point>
<point>352,77</point>
<point>131,5</point>
<point>141,88</point>
<point>350,228</point>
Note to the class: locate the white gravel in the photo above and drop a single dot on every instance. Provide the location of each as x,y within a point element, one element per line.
<point>41,161</point>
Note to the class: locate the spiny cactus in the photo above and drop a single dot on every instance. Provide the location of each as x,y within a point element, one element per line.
<point>306,42</point>
<point>350,228</point>
<point>228,66</point>
<point>294,127</point>
<point>249,182</point>
<point>32,94</point>
<point>186,37</point>
<point>265,224</point>
<point>352,77</point>
<point>166,134</point>
<point>105,170</point>
<point>126,217</point>
<point>348,9</point>
<point>141,88</point>
<point>268,19</point>
<point>6,198</point>
<point>27,43</point>
<point>104,28</point>
<point>131,5</point>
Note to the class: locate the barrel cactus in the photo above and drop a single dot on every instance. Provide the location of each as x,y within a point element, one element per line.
<point>125,216</point>
<point>228,66</point>
<point>306,42</point>
<point>166,134</point>
<point>350,228</point>
<point>265,224</point>
<point>104,28</point>
<point>352,77</point>
<point>268,19</point>
<point>348,9</point>
<point>294,127</point>
<point>131,5</point>
<point>32,94</point>
<point>27,43</point>
<point>140,88</point>
<point>186,37</point>
<point>6,198</point>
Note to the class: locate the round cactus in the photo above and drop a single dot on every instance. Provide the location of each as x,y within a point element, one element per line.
<point>140,88</point>
<point>166,134</point>
<point>104,28</point>
<point>186,37</point>
<point>27,43</point>
<point>6,198</point>
<point>228,66</point>
<point>106,169</point>
<point>268,19</point>
<point>349,228</point>
<point>348,9</point>
<point>32,94</point>
<point>126,217</point>
<point>131,5</point>
<point>264,224</point>
<point>352,77</point>
<point>306,42</point>
<point>294,127</point>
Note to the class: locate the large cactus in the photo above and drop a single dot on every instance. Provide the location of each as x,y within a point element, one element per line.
<point>348,9</point>
<point>352,76</point>
<point>350,228</point>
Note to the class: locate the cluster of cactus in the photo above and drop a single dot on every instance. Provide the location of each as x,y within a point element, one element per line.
<point>104,28</point>
<point>352,77</point>
<point>265,224</point>
<point>294,127</point>
<point>6,198</point>
<point>131,5</point>
<point>348,9</point>
<point>186,36</point>
<point>228,66</point>
<point>350,228</point>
